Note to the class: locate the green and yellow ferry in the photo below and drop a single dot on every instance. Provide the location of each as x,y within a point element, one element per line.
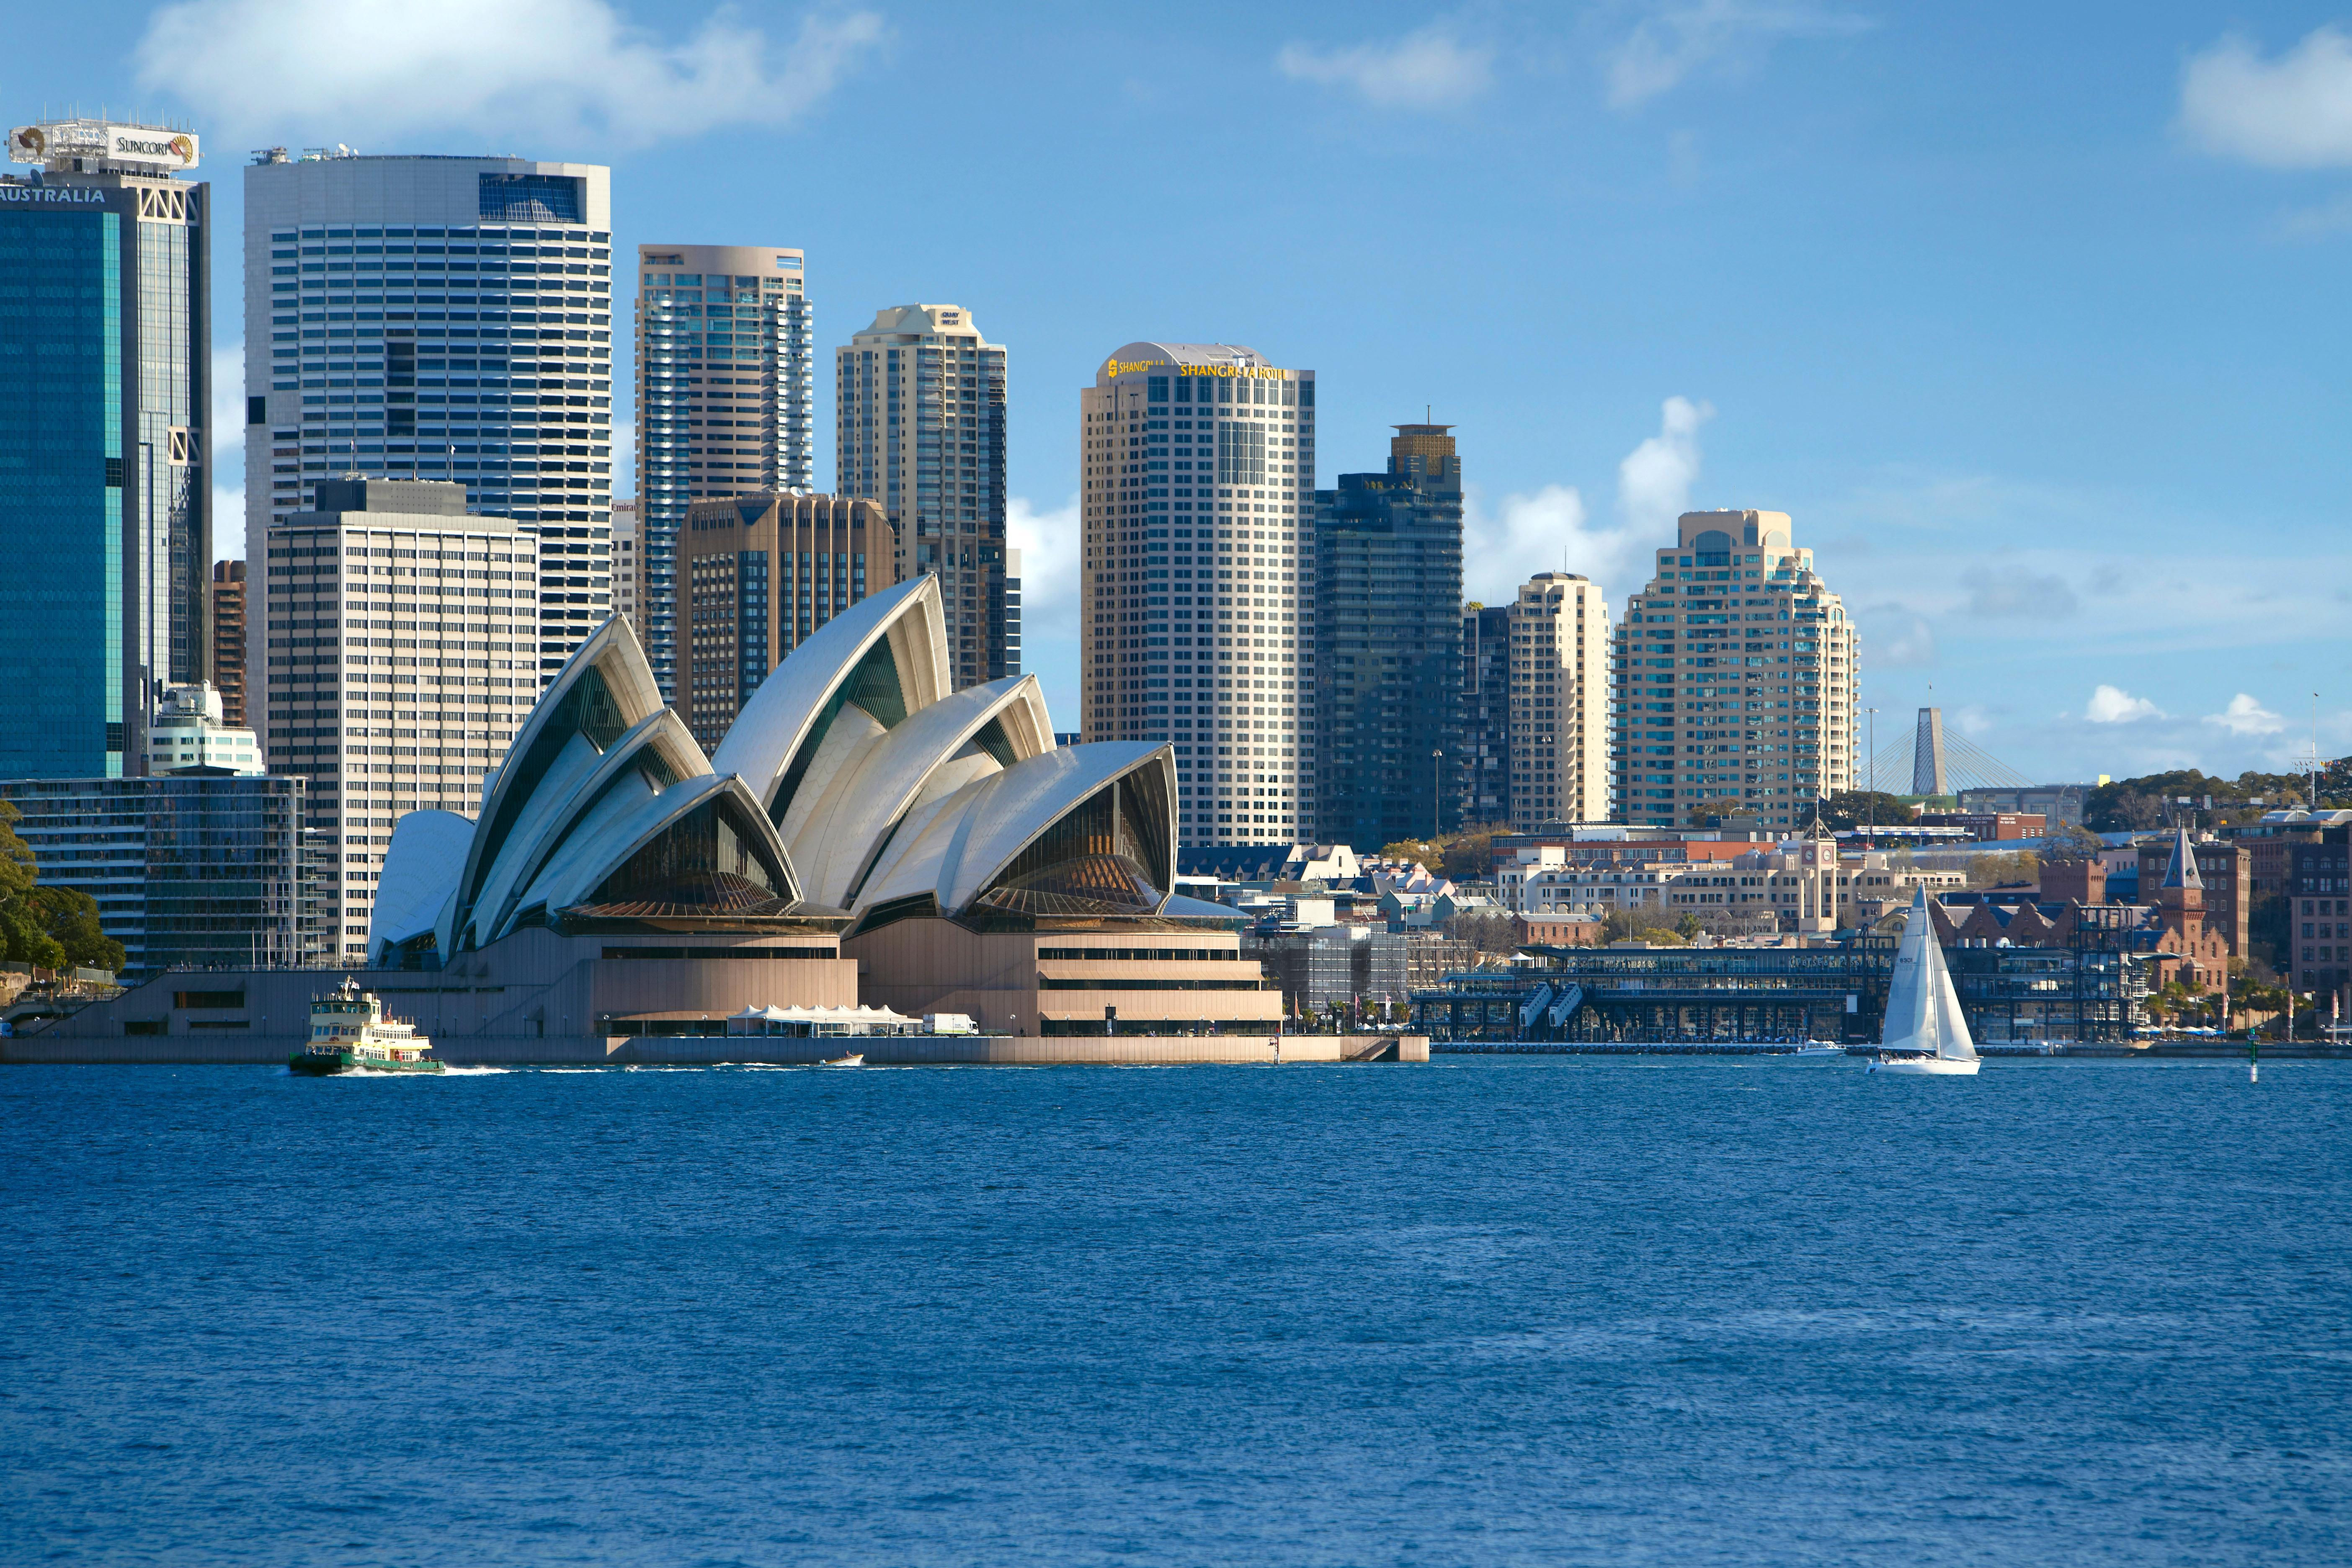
<point>349,1033</point>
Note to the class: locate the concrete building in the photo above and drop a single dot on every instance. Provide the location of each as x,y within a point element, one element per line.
<point>107,449</point>
<point>188,869</point>
<point>1736,679</point>
<point>1196,626</point>
<point>228,631</point>
<point>922,408</point>
<point>2224,883</point>
<point>191,730</point>
<point>403,652</point>
<point>437,318</point>
<point>1486,774</point>
<point>2319,912</point>
<point>1388,593</point>
<point>1803,885</point>
<point>726,400</point>
<point>757,575</point>
<point>1559,702</point>
<point>628,565</point>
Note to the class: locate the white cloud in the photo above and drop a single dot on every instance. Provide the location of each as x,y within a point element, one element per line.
<point>2113,705</point>
<point>1679,39</point>
<point>2294,112</point>
<point>1429,69</point>
<point>2015,592</point>
<point>556,71</point>
<point>1896,636</point>
<point>1655,480</point>
<point>2244,716</point>
<point>228,452</point>
<point>1048,542</point>
<point>1546,532</point>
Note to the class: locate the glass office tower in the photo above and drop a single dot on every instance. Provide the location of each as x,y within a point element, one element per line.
<point>1388,626</point>
<point>105,355</point>
<point>436,318</point>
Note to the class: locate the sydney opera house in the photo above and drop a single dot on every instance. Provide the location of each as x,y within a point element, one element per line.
<point>862,836</point>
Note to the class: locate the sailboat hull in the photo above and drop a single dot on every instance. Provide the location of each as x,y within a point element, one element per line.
<point>1937,1066</point>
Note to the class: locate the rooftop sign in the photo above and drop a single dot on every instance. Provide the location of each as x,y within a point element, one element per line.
<point>163,149</point>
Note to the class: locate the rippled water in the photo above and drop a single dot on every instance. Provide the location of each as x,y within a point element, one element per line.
<point>1541,1310</point>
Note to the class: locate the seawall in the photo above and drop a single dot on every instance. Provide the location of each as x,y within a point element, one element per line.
<point>705,1050</point>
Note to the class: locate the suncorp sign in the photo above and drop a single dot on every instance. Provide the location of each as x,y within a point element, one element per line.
<point>163,148</point>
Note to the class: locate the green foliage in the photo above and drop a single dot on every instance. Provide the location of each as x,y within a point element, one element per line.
<point>2147,801</point>
<point>70,916</point>
<point>1659,936</point>
<point>1713,813</point>
<point>1863,808</point>
<point>1687,927</point>
<point>2004,870</point>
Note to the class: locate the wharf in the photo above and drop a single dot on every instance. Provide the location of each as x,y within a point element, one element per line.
<point>712,1050</point>
<point>2155,1050</point>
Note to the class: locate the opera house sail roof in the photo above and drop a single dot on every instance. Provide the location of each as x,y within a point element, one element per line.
<point>854,788</point>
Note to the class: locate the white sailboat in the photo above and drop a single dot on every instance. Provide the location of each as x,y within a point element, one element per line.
<point>1925,1031</point>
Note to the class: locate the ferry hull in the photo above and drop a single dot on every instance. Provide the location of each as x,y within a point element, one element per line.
<point>321,1065</point>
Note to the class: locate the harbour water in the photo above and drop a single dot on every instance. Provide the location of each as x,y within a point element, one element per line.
<point>1488,1311</point>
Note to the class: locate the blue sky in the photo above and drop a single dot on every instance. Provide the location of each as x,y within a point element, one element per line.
<point>2031,316</point>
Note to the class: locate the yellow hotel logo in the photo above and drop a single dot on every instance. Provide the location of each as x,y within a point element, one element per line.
<point>1115,367</point>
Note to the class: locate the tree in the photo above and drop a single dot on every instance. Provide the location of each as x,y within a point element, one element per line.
<point>70,917</point>
<point>1410,849</point>
<point>2004,870</point>
<point>1688,926</point>
<point>1710,813</point>
<point>1863,808</point>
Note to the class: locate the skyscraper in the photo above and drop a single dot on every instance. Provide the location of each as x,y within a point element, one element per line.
<point>106,450</point>
<point>1486,775</point>
<point>757,575</point>
<point>1737,670</point>
<point>405,655</point>
<point>1559,702</point>
<point>437,318</point>
<point>1198,462</point>
<point>228,638</point>
<point>1388,650</point>
<point>921,411</point>
<point>628,565</point>
<point>726,401</point>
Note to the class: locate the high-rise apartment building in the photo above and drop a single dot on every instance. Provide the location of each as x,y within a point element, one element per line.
<point>757,575</point>
<point>1736,680</point>
<point>1559,702</point>
<point>1198,467</point>
<point>404,653</point>
<point>437,318</point>
<point>921,409</point>
<point>106,450</point>
<point>1388,651</point>
<point>1486,774</point>
<point>228,638</point>
<point>726,402</point>
<point>188,869</point>
<point>628,565</point>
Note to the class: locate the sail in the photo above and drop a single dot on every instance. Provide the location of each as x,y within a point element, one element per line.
<point>1952,1038</point>
<point>1914,1016</point>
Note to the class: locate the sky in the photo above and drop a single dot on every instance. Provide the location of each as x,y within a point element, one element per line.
<point>2030,316</point>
